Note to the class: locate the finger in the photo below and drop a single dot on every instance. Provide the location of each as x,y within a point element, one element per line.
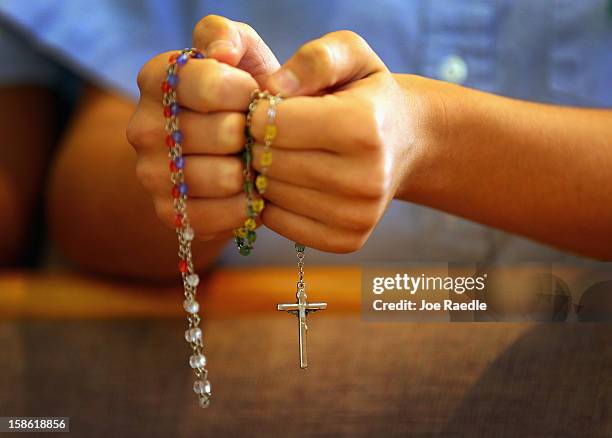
<point>311,232</point>
<point>317,170</point>
<point>206,216</point>
<point>306,123</point>
<point>328,62</point>
<point>204,85</point>
<point>236,44</point>
<point>205,176</point>
<point>216,133</point>
<point>344,212</point>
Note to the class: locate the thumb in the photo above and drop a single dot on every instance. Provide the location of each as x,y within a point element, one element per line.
<point>336,59</point>
<point>236,44</point>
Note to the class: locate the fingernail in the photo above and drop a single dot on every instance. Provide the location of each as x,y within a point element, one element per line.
<point>284,81</point>
<point>219,45</point>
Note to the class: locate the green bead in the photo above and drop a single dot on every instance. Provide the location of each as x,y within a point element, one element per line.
<point>299,247</point>
<point>239,241</point>
<point>250,212</point>
<point>251,236</point>
<point>248,187</point>
<point>245,250</point>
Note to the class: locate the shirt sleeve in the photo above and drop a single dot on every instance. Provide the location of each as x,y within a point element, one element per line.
<point>23,64</point>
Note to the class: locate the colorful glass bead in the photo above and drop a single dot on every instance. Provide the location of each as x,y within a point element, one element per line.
<point>183,267</point>
<point>182,59</point>
<point>240,232</point>
<point>179,162</point>
<point>178,220</point>
<point>257,205</point>
<point>261,182</point>
<point>177,136</point>
<point>266,158</point>
<point>183,188</point>
<point>170,141</point>
<point>176,192</point>
<point>172,80</point>
<point>270,133</point>
<point>250,224</point>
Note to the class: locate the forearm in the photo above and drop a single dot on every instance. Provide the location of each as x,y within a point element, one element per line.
<point>101,217</point>
<point>538,170</point>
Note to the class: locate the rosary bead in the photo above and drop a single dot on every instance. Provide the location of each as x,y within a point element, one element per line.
<point>177,136</point>
<point>193,280</point>
<point>172,58</point>
<point>197,361</point>
<point>173,167</point>
<point>170,141</point>
<point>183,188</point>
<point>183,267</point>
<point>167,111</point>
<point>172,80</point>
<point>266,158</point>
<point>245,250</point>
<point>175,192</point>
<point>174,109</point>
<point>198,55</point>
<point>261,182</point>
<point>191,306</point>
<point>201,387</point>
<point>193,334</point>
<point>248,187</point>
<point>240,232</point>
<point>270,133</point>
<point>165,87</point>
<point>239,241</point>
<point>251,237</point>
<point>188,234</point>
<point>250,224</point>
<point>299,247</point>
<point>182,59</point>
<point>179,162</point>
<point>178,220</point>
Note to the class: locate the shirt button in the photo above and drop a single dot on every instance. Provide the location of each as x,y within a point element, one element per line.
<point>453,69</point>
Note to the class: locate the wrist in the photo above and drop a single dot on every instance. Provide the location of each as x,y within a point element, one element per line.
<point>429,126</point>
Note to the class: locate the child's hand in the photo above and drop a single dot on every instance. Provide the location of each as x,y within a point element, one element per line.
<point>339,157</point>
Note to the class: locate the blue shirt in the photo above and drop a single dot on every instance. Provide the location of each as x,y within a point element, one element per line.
<point>558,52</point>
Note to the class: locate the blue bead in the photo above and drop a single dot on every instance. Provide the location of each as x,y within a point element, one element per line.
<point>199,55</point>
<point>177,136</point>
<point>172,80</point>
<point>183,189</point>
<point>174,108</point>
<point>182,59</point>
<point>179,162</point>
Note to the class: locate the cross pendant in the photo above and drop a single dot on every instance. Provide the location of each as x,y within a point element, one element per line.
<point>301,310</point>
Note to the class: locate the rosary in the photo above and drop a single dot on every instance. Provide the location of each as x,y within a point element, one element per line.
<point>245,236</point>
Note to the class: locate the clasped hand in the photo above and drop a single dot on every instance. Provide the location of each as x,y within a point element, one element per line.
<point>339,155</point>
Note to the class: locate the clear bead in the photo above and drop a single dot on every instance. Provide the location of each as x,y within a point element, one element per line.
<point>193,335</point>
<point>191,306</point>
<point>201,387</point>
<point>193,280</point>
<point>188,234</point>
<point>197,361</point>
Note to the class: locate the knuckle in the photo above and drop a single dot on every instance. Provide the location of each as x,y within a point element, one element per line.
<point>316,57</point>
<point>362,218</point>
<point>231,176</point>
<point>148,174</point>
<point>231,135</point>
<point>211,82</point>
<point>164,211</point>
<point>141,133</point>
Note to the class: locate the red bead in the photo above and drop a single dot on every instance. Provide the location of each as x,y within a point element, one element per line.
<point>170,141</point>
<point>176,193</point>
<point>172,58</point>
<point>178,220</point>
<point>167,111</point>
<point>165,87</point>
<point>183,266</point>
<point>173,167</point>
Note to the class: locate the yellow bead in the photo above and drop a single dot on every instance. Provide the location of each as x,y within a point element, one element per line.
<point>250,224</point>
<point>270,133</point>
<point>261,182</point>
<point>266,158</point>
<point>258,205</point>
<point>240,232</point>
